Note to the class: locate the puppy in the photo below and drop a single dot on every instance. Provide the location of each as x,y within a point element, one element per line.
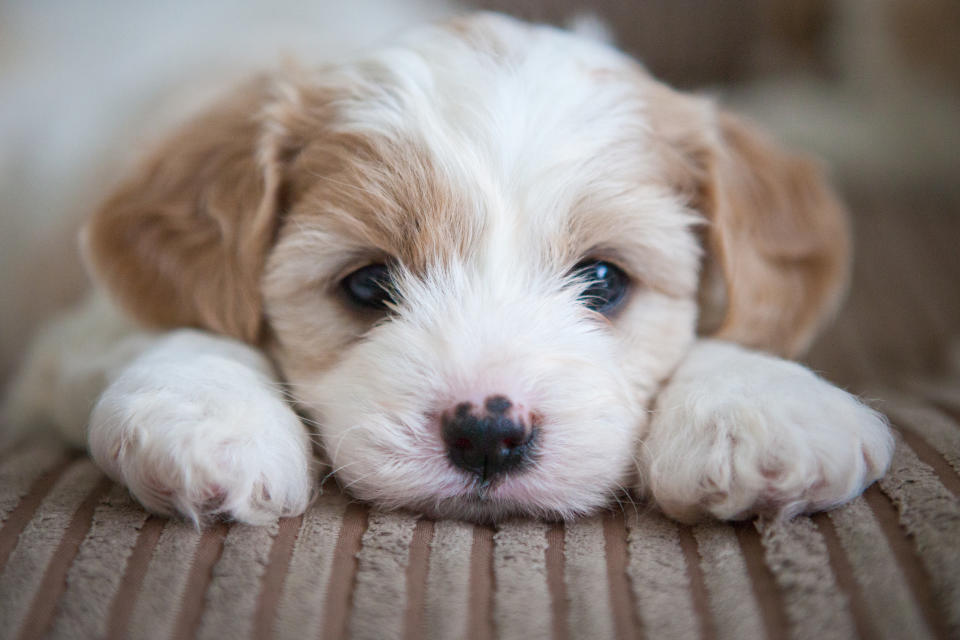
<point>493,269</point>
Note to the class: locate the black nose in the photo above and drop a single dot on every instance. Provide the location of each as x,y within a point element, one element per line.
<point>487,442</point>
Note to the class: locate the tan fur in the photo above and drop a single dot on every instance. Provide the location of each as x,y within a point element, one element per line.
<point>354,199</point>
<point>777,241</point>
<point>184,242</point>
<point>380,196</point>
<point>782,239</point>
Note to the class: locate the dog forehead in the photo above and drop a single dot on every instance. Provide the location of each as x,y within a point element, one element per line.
<point>530,116</point>
<point>486,138</point>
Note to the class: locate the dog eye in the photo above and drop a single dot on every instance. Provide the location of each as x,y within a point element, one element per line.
<point>607,284</point>
<point>369,286</point>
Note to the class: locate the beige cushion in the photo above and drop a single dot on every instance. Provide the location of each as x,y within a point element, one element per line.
<point>81,560</point>
<point>78,559</point>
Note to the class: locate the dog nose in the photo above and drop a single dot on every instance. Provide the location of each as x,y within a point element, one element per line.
<point>487,441</point>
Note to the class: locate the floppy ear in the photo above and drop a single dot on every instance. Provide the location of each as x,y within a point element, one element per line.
<point>779,237</point>
<point>182,243</point>
<point>777,248</point>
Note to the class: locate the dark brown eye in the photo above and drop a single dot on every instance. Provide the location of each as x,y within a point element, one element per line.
<point>607,285</point>
<point>369,286</point>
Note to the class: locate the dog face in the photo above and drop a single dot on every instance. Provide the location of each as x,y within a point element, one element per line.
<point>474,256</point>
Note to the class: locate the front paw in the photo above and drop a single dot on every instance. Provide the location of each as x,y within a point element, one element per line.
<point>204,448</point>
<point>759,435</point>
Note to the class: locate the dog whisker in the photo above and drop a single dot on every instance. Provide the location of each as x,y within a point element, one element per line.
<point>336,450</point>
<point>628,496</point>
<point>340,468</point>
<point>360,479</point>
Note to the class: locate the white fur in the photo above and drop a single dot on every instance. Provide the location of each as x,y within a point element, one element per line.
<point>59,156</point>
<point>198,426</point>
<point>70,362</point>
<point>737,432</point>
<point>193,424</point>
<point>380,404</point>
<point>533,148</point>
<point>536,137</point>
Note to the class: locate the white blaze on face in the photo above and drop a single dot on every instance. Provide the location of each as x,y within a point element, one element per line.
<point>540,137</point>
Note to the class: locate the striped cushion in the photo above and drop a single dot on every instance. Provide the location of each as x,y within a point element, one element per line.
<point>81,560</point>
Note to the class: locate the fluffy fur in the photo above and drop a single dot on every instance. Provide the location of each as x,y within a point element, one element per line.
<point>196,425</point>
<point>483,158</point>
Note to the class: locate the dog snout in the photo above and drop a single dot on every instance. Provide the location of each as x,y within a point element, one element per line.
<point>491,439</point>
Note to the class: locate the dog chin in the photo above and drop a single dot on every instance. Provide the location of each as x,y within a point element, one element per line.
<point>525,494</point>
<point>486,509</point>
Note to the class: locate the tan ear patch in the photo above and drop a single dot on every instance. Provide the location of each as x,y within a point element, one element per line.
<point>780,236</point>
<point>777,239</point>
<point>182,242</point>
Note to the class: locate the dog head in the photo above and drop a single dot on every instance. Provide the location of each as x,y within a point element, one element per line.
<point>475,255</point>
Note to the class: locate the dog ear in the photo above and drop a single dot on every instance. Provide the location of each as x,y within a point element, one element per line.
<point>183,242</point>
<point>777,248</point>
<point>778,235</point>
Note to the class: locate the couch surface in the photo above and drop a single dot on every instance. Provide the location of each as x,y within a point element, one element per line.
<point>79,559</point>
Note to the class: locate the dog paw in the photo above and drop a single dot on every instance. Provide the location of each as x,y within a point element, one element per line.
<point>212,441</point>
<point>738,433</point>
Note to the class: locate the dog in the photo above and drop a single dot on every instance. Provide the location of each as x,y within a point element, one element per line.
<point>492,269</point>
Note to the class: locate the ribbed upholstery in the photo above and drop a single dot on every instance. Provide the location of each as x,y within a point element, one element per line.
<point>81,560</point>
<point>78,559</point>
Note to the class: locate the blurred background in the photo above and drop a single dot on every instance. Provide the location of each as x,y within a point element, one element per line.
<point>871,86</point>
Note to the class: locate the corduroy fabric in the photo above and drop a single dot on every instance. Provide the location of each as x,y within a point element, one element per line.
<point>885,565</point>
<point>79,559</point>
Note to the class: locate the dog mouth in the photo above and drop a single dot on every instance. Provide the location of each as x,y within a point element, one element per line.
<point>492,506</point>
<point>493,500</point>
<point>484,506</point>
<point>483,491</point>
<point>456,494</point>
